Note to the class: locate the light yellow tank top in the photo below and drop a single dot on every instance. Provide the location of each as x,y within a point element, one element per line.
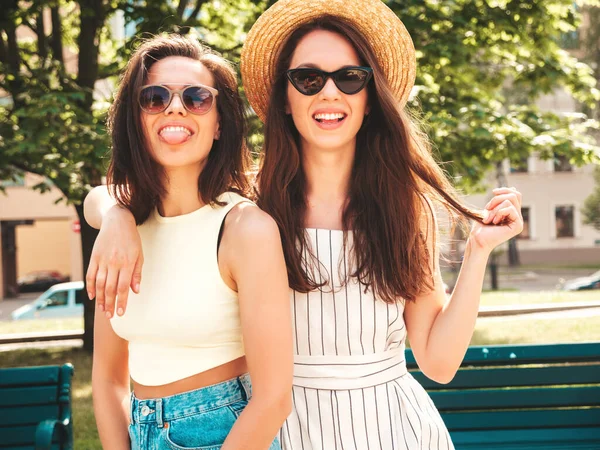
<point>185,320</point>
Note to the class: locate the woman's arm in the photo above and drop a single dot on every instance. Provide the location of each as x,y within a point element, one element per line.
<point>117,257</point>
<point>110,386</point>
<point>440,328</point>
<point>96,205</point>
<point>252,253</point>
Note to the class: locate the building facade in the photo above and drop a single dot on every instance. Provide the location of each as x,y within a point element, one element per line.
<point>36,233</point>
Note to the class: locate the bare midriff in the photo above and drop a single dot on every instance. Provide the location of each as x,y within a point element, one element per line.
<point>216,375</point>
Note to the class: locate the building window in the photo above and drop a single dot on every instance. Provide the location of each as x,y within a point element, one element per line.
<point>565,221</point>
<point>526,233</point>
<point>562,164</point>
<point>520,166</point>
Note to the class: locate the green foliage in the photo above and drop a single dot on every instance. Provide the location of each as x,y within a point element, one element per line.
<point>52,134</point>
<point>591,206</point>
<point>481,65</point>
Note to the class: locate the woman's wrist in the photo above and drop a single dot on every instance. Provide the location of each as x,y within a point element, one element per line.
<point>473,250</point>
<point>120,214</point>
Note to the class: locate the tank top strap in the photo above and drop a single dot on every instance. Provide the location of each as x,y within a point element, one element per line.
<point>218,213</point>
<point>231,200</point>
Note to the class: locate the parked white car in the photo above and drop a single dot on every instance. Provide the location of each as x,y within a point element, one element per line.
<point>57,302</point>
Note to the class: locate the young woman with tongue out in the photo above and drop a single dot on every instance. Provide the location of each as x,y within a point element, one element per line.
<point>352,186</point>
<point>214,304</point>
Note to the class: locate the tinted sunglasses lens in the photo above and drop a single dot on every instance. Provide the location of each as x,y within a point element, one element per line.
<point>350,81</point>
<point>198,100</point>
<point>154,99</point>
<point>308,81</point>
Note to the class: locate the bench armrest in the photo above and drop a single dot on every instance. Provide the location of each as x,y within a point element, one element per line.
<point>45,431</point>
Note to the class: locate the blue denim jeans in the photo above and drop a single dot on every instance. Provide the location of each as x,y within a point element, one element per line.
<point>194,420</point>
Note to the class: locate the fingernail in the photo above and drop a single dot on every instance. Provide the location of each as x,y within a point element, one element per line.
<point>137,288</point>
<point>101,307</point>
<point>107,314</point>
<point>89,295</point>
<point>120,311</point>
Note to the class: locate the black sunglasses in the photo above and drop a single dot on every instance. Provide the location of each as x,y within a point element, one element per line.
<point>349,80</point>
<point>197,99</point>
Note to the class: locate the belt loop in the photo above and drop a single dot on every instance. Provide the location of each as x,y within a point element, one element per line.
<point>131,408</point>
<point>159,412</point>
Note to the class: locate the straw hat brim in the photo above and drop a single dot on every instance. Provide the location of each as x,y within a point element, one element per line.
<point>386,33</point>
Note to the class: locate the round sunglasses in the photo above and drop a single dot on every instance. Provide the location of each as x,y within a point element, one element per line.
<point>349,80</point>
<point>197,99</point>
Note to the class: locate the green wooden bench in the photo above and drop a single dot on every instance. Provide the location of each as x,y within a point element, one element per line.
<point>35,408</point>
<point>522,397</point>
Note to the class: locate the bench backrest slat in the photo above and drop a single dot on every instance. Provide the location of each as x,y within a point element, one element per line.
<point>507,419</point>
<point>26,415</point>
<point>542,438</point>
<point>29,376</point>
<point>524,354</point>
<point>38,395</point>
<point>517,376</point>
<point>463,400</point>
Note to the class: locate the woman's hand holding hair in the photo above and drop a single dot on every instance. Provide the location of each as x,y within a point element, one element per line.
<point>502,221</point>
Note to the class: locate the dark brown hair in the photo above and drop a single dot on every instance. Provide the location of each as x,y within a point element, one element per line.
<point>136,179</point>
<point>393,180</point>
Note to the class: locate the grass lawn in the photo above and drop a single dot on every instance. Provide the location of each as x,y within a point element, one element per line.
<point>498,298</point>
<point>41,325</point>
<point>488,331</point>
<point>536,331</point>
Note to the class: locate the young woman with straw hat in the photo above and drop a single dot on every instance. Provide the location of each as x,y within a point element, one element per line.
<point>352,186</point>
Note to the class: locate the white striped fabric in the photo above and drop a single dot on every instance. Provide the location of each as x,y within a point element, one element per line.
<point>351,389</point>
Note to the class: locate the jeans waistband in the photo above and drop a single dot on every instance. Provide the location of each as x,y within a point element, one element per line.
<point>160,410</point>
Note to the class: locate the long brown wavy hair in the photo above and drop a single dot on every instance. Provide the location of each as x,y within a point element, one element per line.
<point>136,180</point>
<point>393,182</point>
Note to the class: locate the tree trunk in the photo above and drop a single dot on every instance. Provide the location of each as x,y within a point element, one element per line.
<point>3,55</point>
<point>56,38</point>
<point>41,35</point>
<point>92,19</point>
<point>88,237</point>
<point>494,272</point>
<point>12,54</point>
<point>513,250</point>
<point>513,253</point>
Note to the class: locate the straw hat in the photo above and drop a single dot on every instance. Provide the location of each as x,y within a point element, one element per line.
<point>385,32</point>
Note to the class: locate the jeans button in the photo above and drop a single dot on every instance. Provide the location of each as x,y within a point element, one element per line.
<point>145,410</point>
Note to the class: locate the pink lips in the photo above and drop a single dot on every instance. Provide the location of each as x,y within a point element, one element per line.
<point>328,119</point>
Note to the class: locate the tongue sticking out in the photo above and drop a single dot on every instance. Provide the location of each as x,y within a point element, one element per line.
<point>174,137</point>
